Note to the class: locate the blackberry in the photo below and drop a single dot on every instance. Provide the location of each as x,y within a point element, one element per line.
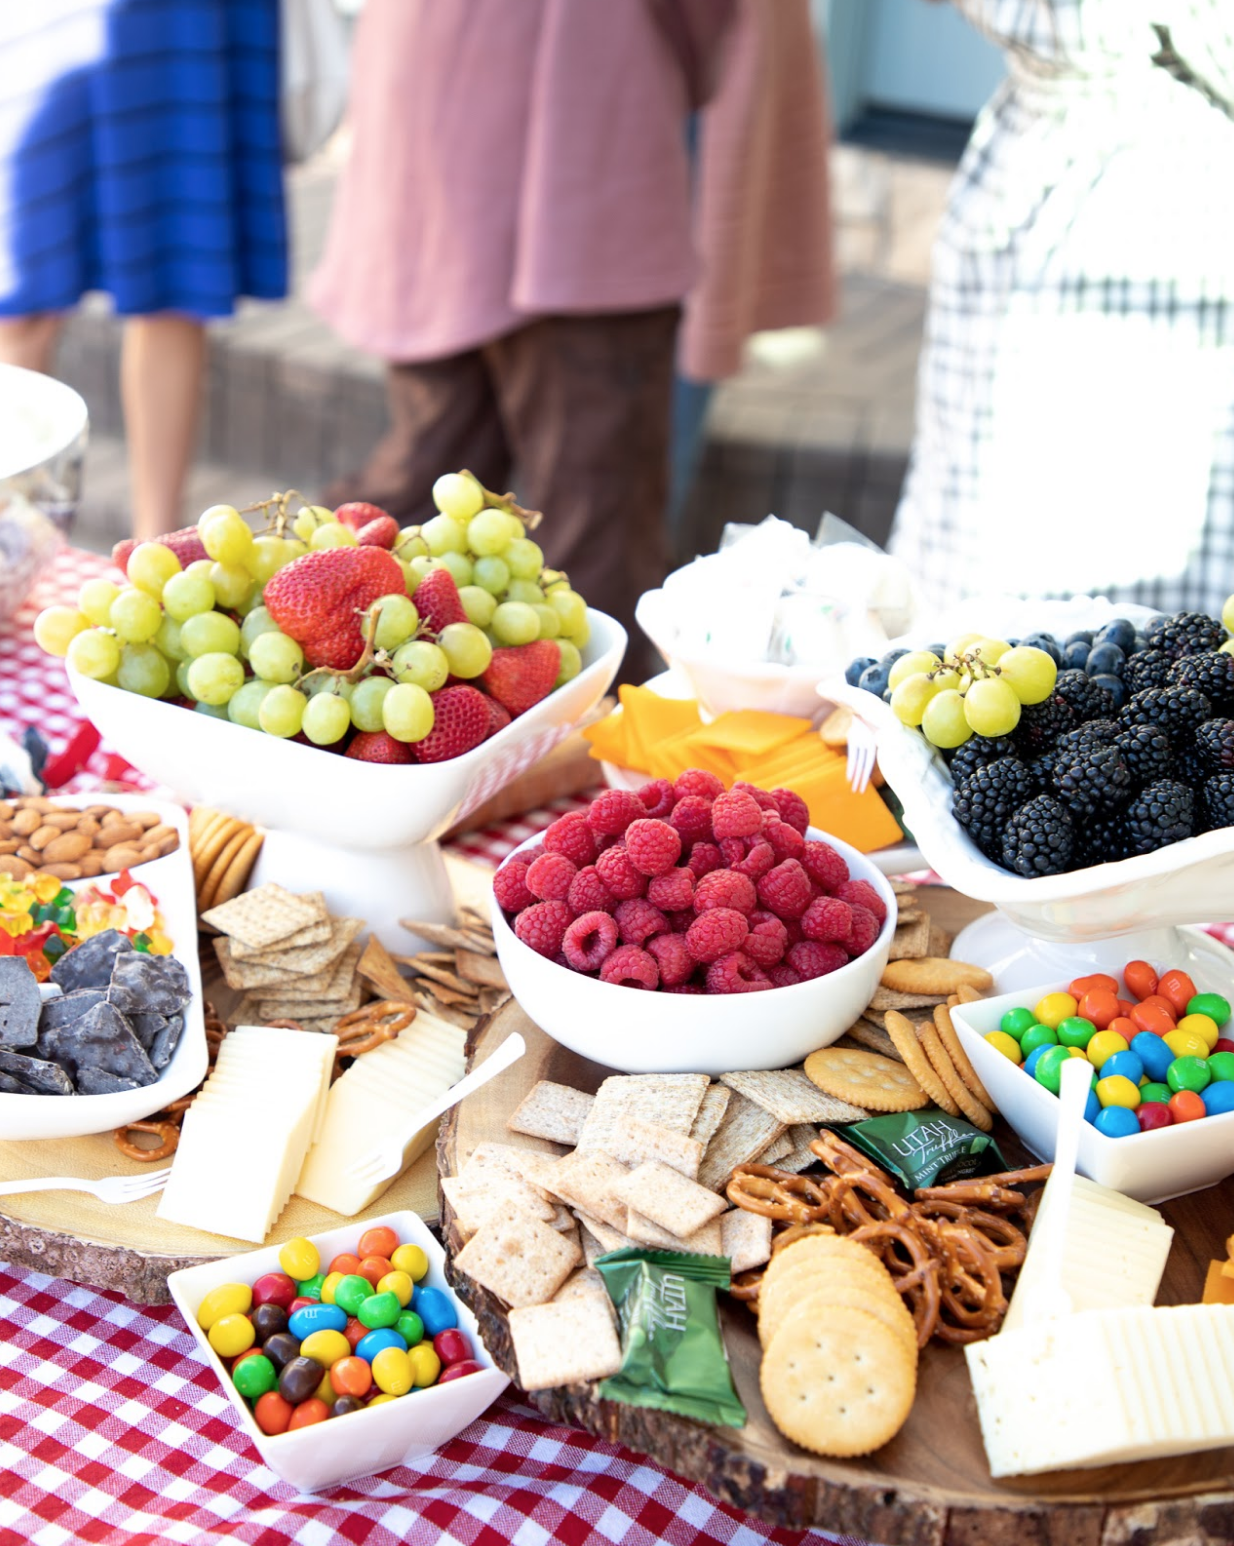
<point>1212,674</point>
<point>1097,732</point>
<point>1093,780</point>
<point>1147,752</point>
<point>1214,741</point>
<point>1102,840</point>
<point>1176,710</point>
<point>1042,770</point>
<point>1038,840</point>
<point>1041,724</point>
<point>1217,801</point>
<point>984,803</point>
<point>1186,633</point>
<point>1146,668</point>
<point>977,752</point>
<point>1189,765</point>
<point>1086,699</point>
<point>1163,812</point>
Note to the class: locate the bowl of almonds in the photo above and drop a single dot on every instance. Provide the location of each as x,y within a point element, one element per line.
<point>41,836</point>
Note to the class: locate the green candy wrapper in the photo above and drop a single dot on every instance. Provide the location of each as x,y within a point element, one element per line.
<point>925,1149</point>
<point>672,1353</point>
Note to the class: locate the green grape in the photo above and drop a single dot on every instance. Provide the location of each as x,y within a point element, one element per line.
<point>143,670</point>
<point>94,653</point>
<point>269,555</point>
<point>948,680</point>
<point>150,566</point>
<point>478,603</point>
<point>327,718</point>
<point>465,648</point>
<point>525,591</point>
<point>571,662</point>
<point>209,633</point>
<point>1029,672</point>
<point>282,711</point>
<point>182,678</point>
<point>910,698</point>
<point>410,544</point>
<point>168,640</point>
<point>201,566</point>
<point>458,564</point>
<point>491,574</point>
<point>214,710</point>
<point>336,536</point>
<point>227,539</point>
<point>366,701</point>
<point>961,645</point>
<point>991,707</point>
<point>407,712</point>
<point>944,722</point>
<point>550,619</point>
<point>55,628</point>
<point>990,650</point>
<point>490,531</point>
<point>276,657</point>
<point>232,585</point>
<point>213,513</point>
<point>444,535</point>
<point>213,678</point>
<point>341,686</point>
<point>187,594</point>
<point>514,622</point>
<point>569,607</point>
<point>310,518</point>
<point>524,558</point>
<point>244,705</point>
<point>459,495</point>
<point>422,664</point>
<point>581,636</point>
<point>410,578</point>
<point>136,617</point>
<point>94,601</point>
<point>396,623</point>
<point>910,665</point>
<point>254,625</point>
<point>1227,614</point>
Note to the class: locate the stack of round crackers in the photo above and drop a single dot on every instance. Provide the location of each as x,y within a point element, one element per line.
<point>224,851</point>
<point>839,1370</point>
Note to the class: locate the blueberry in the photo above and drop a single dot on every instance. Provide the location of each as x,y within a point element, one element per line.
<point>1075,655</point>
<point>938,649</point>
<point>1105,659</point>
<point>874,679</point>
<point>1113,685</point>
<point>890,658</point>
<point>1082,636</point>
<point>1048,643</point>
<point>1119,632</point>
<point>855,667</point>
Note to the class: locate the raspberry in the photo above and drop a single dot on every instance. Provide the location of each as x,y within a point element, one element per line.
<point>811,959</point>
<point>680,922</point>
<point>589,941</point>
<point>611,813</point>
<point>725,888</point>
<point>786,842</point>
<point>716,933</point>
<point>704,857</point>
<point>863,892</point>
<point>630,967</point>
<point>794,931</point>
<point>687,987</point>
<point>783,975</point>
<point>652,846</point>
<point>767,940</point>
<point>736,815</point>
<point>692,818</point>
<point>675,962</point>
<point>747,856</point>
<point>530,855</point>
<point>792,808</point>
<point>510,886</point>
<point>761,797</point>
<point>695,781</point>
<point>550,876</point>
<point>736,973</point>
<point>570,835</point>
<point>864,932</point>
<point>673,891</point>
<point>827,919</point>
<point>824,866</point>
<point>589,894</point>
<point>543,925</point>
<point>638,920</point>
<point>785,890</point>
<point>619,875</point>
<point>658,797</point>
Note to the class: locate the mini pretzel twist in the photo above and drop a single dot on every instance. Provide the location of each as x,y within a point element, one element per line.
<point>366,1028</point>
<point>167,1132</point>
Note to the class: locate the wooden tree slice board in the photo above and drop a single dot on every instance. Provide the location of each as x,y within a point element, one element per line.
<point>931,1485</point>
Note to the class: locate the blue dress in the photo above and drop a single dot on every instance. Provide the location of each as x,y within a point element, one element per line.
<point>140,155</point>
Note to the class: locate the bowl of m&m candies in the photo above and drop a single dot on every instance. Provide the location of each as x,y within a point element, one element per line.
<point>1160,1046</point>
<point>342,1355</point>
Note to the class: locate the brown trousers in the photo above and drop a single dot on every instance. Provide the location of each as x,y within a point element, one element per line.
<point>579,407</point>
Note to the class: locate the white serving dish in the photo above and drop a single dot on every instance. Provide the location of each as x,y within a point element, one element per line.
<point>660,1033</point>
<point>1150,1167</point>
<point>170,879</point>
<point>361,1443</point>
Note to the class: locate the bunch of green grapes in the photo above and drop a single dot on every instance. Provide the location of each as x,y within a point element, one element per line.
<point>977,688</point>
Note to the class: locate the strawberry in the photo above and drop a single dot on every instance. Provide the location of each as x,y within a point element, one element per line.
<point>522,674</point>
<point>461,721</point>
<point>498,716</point>
<point>436,600</point>
<point>380,532</point>
<point>378,746</point>
<point>319,597</point>
<point>185,544</point>
<point>358,512</point>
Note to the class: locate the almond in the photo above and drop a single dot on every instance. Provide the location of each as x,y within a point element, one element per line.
<point>145,818</point>
<point>65,820</point>
<point>25,822</point>
<point>44,834</point>
<point>88,825</point>
<point>156,835</point>
<point>92,864</point>
<point>10,864</point>
<point>113,832</point>
<point>168,845</point>
<point>122,856</point>
<point>68,848</point>
<point>9,845</point>
<point>30,855</point>
<point>62,871</point>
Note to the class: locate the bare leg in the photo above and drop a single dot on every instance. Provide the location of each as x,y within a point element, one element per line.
<point>30,341</point>
<point>160,383</point>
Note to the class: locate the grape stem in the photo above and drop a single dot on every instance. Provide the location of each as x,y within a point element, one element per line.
<point>507,502</point>
<point>282,514</point>
<point>368,655</point>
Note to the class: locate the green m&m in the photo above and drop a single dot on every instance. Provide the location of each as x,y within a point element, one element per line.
<point>1210,1004</point>
<point>1038,1036</point>
<point>1188,1073</point>
<point>1049,1071</point>
<point>1016,1021</point>
<point>1075,1031</point>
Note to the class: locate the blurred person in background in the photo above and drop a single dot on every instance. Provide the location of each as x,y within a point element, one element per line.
<point>1075,410</point>
<point>140,156</point>
<point>513,233</point>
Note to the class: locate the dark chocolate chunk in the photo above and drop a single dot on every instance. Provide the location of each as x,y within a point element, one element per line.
<point>100,1038</point>
<point>20,1003</point>
<point>37,1077</point>
<point>67,1007</point>
<point>98,1081</point>
<point>145,984</point>
<point>11,1086</point>
<point>146,1027</point>
<point>89,964</point>
<point>165,1043</point>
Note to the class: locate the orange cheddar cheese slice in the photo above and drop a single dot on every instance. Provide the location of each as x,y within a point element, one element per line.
<point>751,732</point>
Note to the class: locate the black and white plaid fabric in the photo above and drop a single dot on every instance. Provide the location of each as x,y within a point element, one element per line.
<point>1075,422</point>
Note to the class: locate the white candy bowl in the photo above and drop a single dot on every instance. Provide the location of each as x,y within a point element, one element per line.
<point>672,1033</point>
<point>363,833</point>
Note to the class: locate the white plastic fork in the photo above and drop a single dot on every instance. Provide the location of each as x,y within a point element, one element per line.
<point>109,1189</point>
<point>862,753</point>
<point>1052,1300</point>
<point>387,1161</point>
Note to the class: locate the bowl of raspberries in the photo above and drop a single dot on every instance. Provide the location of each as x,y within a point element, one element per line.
<point>751,939</point>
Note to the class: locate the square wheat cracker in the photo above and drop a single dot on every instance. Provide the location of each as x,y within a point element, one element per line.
<point>703,1242</point>
<point>711,1113</point>
<point>745,1238</point>
<point>603,1237</point>
<point>564,1343</point>
<point>305,960</point>
<point>502,1159</point>
<point>585,1283</point>
<point>669,1199</point>
<point>263,917</point>
<point>475,1204</point>
<point>668,1100</point>
<point>521,1260</point>
<point>743,1134</point>
<point>790,1097</point>
<point>640,1141</point>
<point>588,1183</point>
<point>553,1111</point>
<point>334,982</point>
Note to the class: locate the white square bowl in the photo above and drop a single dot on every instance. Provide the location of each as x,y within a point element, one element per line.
<point>1151,1167</point>
<point>361,1443</point>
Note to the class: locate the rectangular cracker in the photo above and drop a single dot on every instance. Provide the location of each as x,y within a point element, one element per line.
<point>745,1238</point>
<point>604,1237</point>
<point>588,1181</point>
<point>520,1259</point>
<point>305,960</point>
<point>476,1203</point>
<point>800,1156</point>
<point>263,917</point>
<point>703,1242</point>
<point>779,1146</point>
<point>293,1008</point>
<point>668,1198</point>
<point>563,1343</point>
<point>940,941</point>
<point>711,1113</point>
<point>553,1111</point>
<point>639,1141</point>
<point>334,982</point>
<point>496,1160</point>
<point>272,972</point>
<point>743,1134</point>
<point>668,1100</point>
<point>585,1283</point>
<point>888,998</point>
<point>485,971</point>
<point>536,1168</point>
<point>911,940</point>
<point>790,1097</point>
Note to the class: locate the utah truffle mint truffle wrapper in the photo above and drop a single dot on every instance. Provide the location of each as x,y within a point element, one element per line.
<point>925,1148</point>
